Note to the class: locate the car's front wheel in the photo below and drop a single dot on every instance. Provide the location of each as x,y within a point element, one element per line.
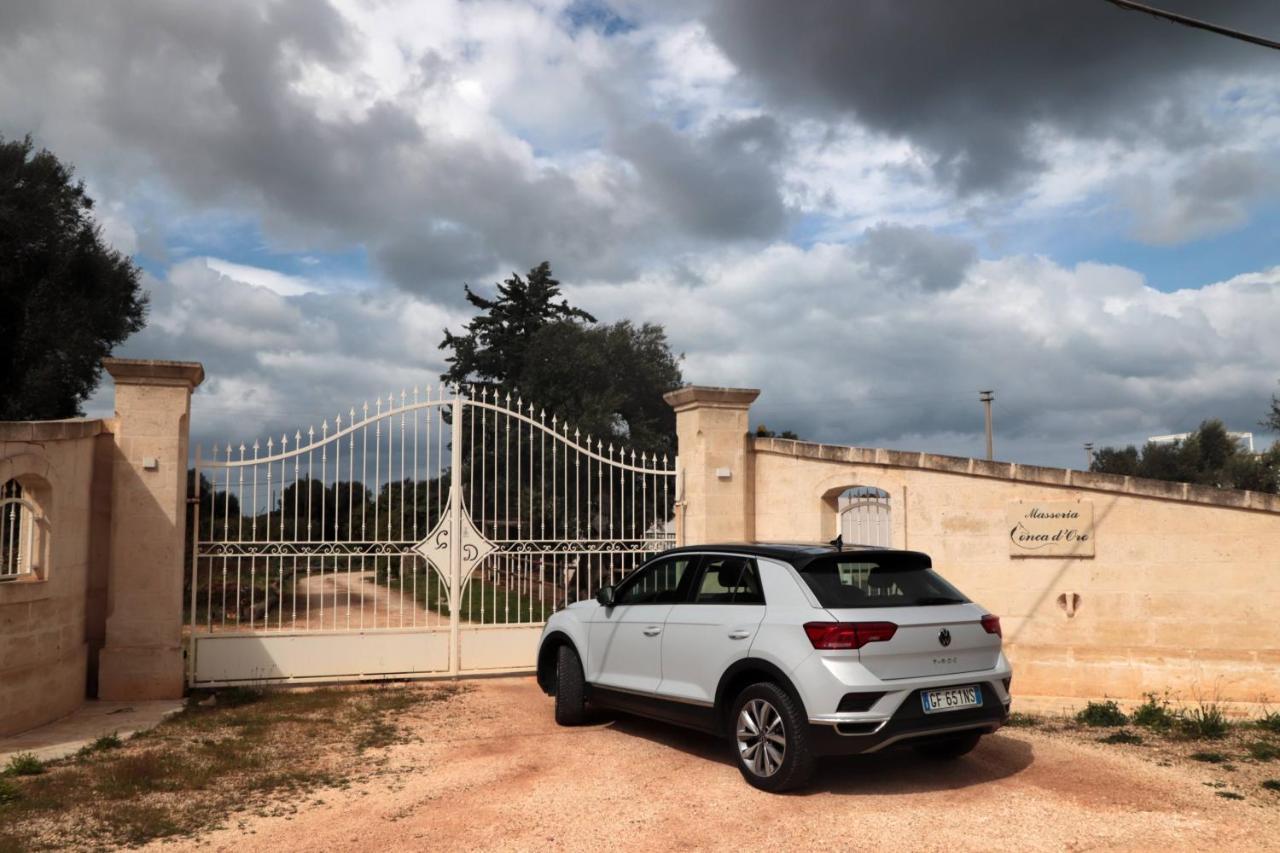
<point>949,747</point>
<point>771,740</point>
<point>571,689</point>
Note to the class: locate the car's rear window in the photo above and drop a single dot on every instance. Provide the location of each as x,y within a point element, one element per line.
<point>877,580</point>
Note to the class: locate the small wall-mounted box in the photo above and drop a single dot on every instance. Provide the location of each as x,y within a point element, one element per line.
<point>723,473</point>
<point>150,463</point>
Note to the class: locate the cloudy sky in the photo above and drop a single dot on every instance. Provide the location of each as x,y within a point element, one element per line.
<point>870,210</point>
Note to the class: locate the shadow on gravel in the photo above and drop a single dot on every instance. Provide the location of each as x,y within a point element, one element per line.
<point>894,771</point>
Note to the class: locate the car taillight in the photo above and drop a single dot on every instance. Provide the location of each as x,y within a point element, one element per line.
<point>991,624</point>
<point>848,635</point>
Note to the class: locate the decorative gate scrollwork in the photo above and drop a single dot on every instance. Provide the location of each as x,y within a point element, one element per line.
<point>455,512</point>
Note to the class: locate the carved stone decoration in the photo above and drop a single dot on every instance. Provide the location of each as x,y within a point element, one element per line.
<point>436,547</point>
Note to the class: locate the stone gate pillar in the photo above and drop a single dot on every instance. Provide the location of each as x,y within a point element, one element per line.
<point>142,653</point>
<point>716,470</point>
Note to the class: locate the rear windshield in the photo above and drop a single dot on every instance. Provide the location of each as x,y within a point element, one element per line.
<point>882,580</point>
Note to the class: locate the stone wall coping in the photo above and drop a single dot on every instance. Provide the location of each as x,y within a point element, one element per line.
<point>146,371</point>
<point>710,397</point>
<point>1063,477</point>
<point>61,430</point>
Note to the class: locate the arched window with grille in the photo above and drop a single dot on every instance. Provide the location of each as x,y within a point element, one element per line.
<point>17,532</point>
<point>864,516</point>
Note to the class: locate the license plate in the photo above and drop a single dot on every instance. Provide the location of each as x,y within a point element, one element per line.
<point>951,699</point>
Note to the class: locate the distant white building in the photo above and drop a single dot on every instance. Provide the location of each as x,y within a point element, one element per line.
<point>1243,439</point>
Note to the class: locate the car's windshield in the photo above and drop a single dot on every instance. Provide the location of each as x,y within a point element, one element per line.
<point>878,580</point>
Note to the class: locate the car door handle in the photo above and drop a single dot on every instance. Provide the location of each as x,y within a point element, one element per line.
<point>739,634</point>
<point>652,631</point>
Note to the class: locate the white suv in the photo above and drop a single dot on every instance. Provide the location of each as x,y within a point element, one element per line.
<point>793,651</point>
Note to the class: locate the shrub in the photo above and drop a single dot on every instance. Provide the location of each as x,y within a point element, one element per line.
<point>1264,751</point>
<point>24,764</point>
<point>1209,757</point>
<point>1206,721</point>
<point>1102,714</point>
<point>1272,785</point>
<point>8,791</point>
<point>1155,714</point>
<point>102,744</point>
<point>1022,721</point>
<point>1269,721</point>
<point>1122,736</point>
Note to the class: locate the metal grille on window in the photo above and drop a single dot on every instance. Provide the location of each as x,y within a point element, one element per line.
<point>15,532</point>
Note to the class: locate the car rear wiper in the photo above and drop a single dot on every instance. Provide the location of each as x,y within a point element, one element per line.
<point>938,599</point>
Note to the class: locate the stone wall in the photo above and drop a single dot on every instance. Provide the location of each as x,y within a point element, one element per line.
<point>101,615</point>
<point>44,641</point>
<point>1179,594</point>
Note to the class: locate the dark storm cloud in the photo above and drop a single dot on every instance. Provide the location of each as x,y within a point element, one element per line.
<point>208,99</point>
<point>721,185</point>
<point>916,256</point>
<point>969,81</point>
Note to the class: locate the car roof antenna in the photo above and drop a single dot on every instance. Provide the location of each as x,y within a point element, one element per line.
<point>838,542</point>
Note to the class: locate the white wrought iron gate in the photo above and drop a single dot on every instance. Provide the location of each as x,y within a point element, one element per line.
<point>427,535</point>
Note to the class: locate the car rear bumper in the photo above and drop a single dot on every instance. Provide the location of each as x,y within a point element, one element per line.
<point>909,724</point>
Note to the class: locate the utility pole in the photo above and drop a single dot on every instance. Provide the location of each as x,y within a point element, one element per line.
<point>986,397</point>
<point>1088,455</point>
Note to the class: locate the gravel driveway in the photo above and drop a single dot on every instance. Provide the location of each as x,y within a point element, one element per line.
<point>491,770</point>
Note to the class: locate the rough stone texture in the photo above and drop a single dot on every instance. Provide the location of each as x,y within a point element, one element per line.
<point>141,656</point>
<point>711,427</point>
<point>42,617</point>
<point>109,551</point>
<point>1177,597</point>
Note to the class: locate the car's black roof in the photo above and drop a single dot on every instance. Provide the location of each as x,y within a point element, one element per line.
<point>798,554</point>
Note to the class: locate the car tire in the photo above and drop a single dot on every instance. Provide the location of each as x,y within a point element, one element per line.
<point>762,714</point>
<point>946,749</point>
<point>571,688</point>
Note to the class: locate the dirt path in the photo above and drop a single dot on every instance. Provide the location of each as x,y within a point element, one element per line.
<point>496,773</point>
<point>338,601</point>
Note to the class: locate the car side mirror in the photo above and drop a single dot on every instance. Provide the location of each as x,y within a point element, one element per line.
<point>605,596</point>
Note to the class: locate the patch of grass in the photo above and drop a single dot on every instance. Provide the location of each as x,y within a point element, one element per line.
<point>1209,757</point>
<point>1122,736</point>
<point>1271,784</point>
<point>1264,750</point>
<point>1270,721</point>
<point>102,744</point>
<point>1102,715</point>
<point>481,599</point>
<point>1023,721</point>
<point>262,749</point>
<point>24,764</point>
<point>1204,722</point>
<point>1155,713</point>
<point>1230,795</point>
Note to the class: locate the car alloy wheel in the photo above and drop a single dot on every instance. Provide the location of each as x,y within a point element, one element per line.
<point>762,737</point>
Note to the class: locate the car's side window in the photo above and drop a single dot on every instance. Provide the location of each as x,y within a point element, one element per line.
<point>658,583</point>
<point>729,580</point>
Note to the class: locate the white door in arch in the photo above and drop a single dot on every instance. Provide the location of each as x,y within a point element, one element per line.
<point>865,516</point>
<point>429,534</point>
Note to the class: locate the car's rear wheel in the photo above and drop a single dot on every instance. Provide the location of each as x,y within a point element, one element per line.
<point>949,747</point>
<point>771,740</point>
<point>571,689</point>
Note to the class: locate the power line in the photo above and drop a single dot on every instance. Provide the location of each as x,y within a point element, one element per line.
<point>1129,5</point>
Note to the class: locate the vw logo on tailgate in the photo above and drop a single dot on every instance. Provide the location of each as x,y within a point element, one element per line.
<point>944,637</point>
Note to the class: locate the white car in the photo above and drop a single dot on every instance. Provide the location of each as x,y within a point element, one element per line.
<point>793,651</point>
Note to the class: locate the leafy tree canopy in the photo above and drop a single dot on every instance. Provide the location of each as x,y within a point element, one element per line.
<point>66,298</point>
<point>1208,456</point>
<point>607,380</point>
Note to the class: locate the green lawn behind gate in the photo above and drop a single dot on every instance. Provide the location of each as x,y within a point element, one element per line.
<point>483,602</point>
